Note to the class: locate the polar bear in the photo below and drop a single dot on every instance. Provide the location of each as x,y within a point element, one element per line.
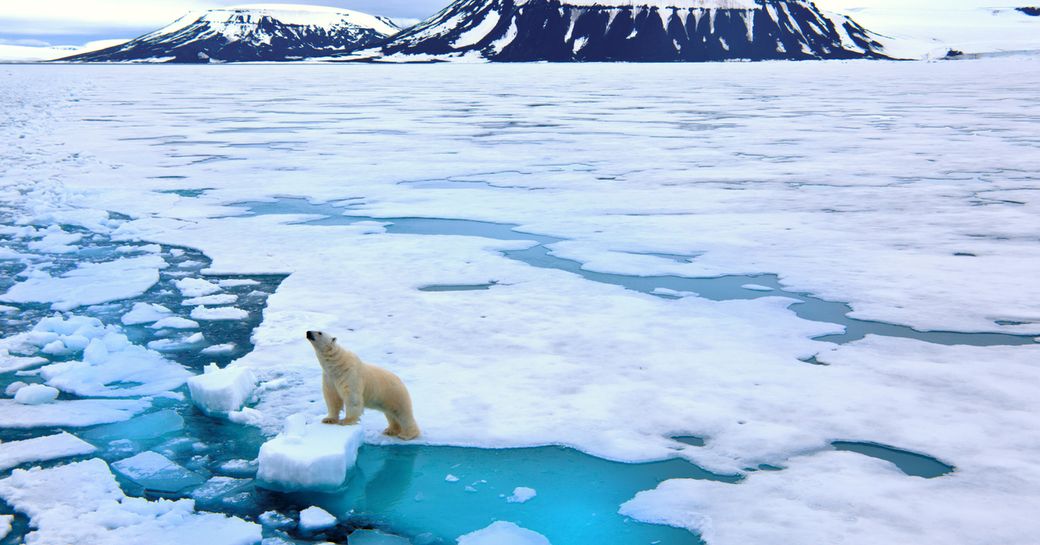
<point>351,384</point>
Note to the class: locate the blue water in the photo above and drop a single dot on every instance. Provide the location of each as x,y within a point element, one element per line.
<point>911,463</point>
<point>721,288</point>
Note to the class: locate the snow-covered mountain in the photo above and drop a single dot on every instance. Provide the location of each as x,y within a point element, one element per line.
<point>265,32</point>
<point>633,30</point>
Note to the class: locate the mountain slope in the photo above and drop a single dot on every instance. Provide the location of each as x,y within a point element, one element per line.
<point>633,30</point>
<point>251,33</point>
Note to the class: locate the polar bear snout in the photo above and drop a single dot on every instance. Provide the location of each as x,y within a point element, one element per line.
<point>311,335</point>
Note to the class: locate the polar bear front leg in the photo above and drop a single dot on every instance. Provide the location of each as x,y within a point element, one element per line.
<point>355,406</point>
<point>332,401</point>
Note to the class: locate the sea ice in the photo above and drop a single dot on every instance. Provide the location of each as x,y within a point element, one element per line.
<point>218,313</point>
<point>308,456</point>
<point>14,363</point>
<point>215,349</point>
<point>313,519</point>
<point>274,519</point>
<point>41,449</point>
<point>222,390</point>
<point>153,471</point>
<point>90,283</point>
<point>148,426</point>
<point>375,537</point>
<point>145,313</point>
<point>13,387</point>
<point>76,413</point>
<point>219,488</point>
<point>196,287</point>
<point>36,394</point>
<point>503,533</point>
<point>522,494</point>
<point>216,299</point>
<point>5,525</point>
<point>82,503</point>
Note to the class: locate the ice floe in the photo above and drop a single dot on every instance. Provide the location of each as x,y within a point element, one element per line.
<point>36,394</point>
<point>145,313</point>
<point>309,455</point>
<point>41,449</point>
<point>503,533</point>
<point>222,390</point>
<point>313,519</point>
<point>75,413</point>
<point>522,494</point>
<point>218,313</point>
<point>89,283</point>
<point>196,287</point>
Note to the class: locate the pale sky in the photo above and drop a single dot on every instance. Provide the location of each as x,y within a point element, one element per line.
<point>71,22</point>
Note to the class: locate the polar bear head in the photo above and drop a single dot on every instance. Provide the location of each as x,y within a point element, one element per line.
<point>322,342</point>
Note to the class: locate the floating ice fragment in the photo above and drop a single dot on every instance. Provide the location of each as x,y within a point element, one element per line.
<point>308,456</point>
<point>90,283</point>
<point>13,388</point>
<point>217,299</point>
<point>218,489</point>
<point>218,313</point>
<point>15,363</point>
<point>5,525</point>
<point>274,519</point>
<point>36,394</point>
<point>235,282</point>
<point>149,426</point>
<point>522,494</point>
<point>153,471</point>
<point>82,503</point>
<point>41,449</point>
<point>215,349</point>
<point>196,287</point>
<point>503,533</point>
<point>756,287</point>
<point>175,322</point>
<point>247,417</point>
<point>313,519</point>
<point>222,390</point>
<point>145,313</point>
<point>451,478</point>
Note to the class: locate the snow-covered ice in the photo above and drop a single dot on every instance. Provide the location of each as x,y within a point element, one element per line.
<point>153,471</point>
<point>82,503</point>
<point>36,394</point>
<point>503,533</point>
<point>218,313</point>
<point>313,519</point>
<point>916,205</point>
<point>222,390</point>
<point>145,313</point>
<point>309,455</point>
<point>41,449</point>
<point>89,283</point>
<point>174,322</point>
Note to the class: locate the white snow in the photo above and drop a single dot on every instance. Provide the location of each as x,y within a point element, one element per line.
<point>5,525</point>
<point>503,533</point>
<point>89,283</point>
<point>14,387</point>
<point>313,519</point>
<point>311,455</point>
<point>82,503</point>
<point>145,313</point>
<point>522,494</point>
<point>36,394</point>
<point>218,299</point>
<point>42,449</point>
<point>218,313</point>
<point>218,349</point>
<point>473,35</point>
<point>222,390</point>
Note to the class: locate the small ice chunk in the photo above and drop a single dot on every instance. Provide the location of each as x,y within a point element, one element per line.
<point>196,287</point>
<point>42,449</point>
<point>247,417</point>
<point>36,394</point>
<point>239,467</point>
<point>274,519</point>
<point>175,322</point>
<point>522,494</point>
<point>668,292</point>
<point>309,455</point>
<point>216,349</point>
<point>13,388</point>
<point>375,537</point>
<point>503,533</point>
<point>173,345</point>
<point>222,390</point>
<point>451,478</point>
<point>55,348</point>
<point>5,525</point>
<point>153,471</point>
<point>145,313</point>
<point>218,313</point>
<point>756,287</point>
<point>219,488</point>
<point>14,363</point>
<point>313,519</point>
<point>217,299</point>
<point>149,426</point>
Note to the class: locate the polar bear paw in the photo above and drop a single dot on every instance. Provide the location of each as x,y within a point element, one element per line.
<point>329,420</point>
<point>348,421</point>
